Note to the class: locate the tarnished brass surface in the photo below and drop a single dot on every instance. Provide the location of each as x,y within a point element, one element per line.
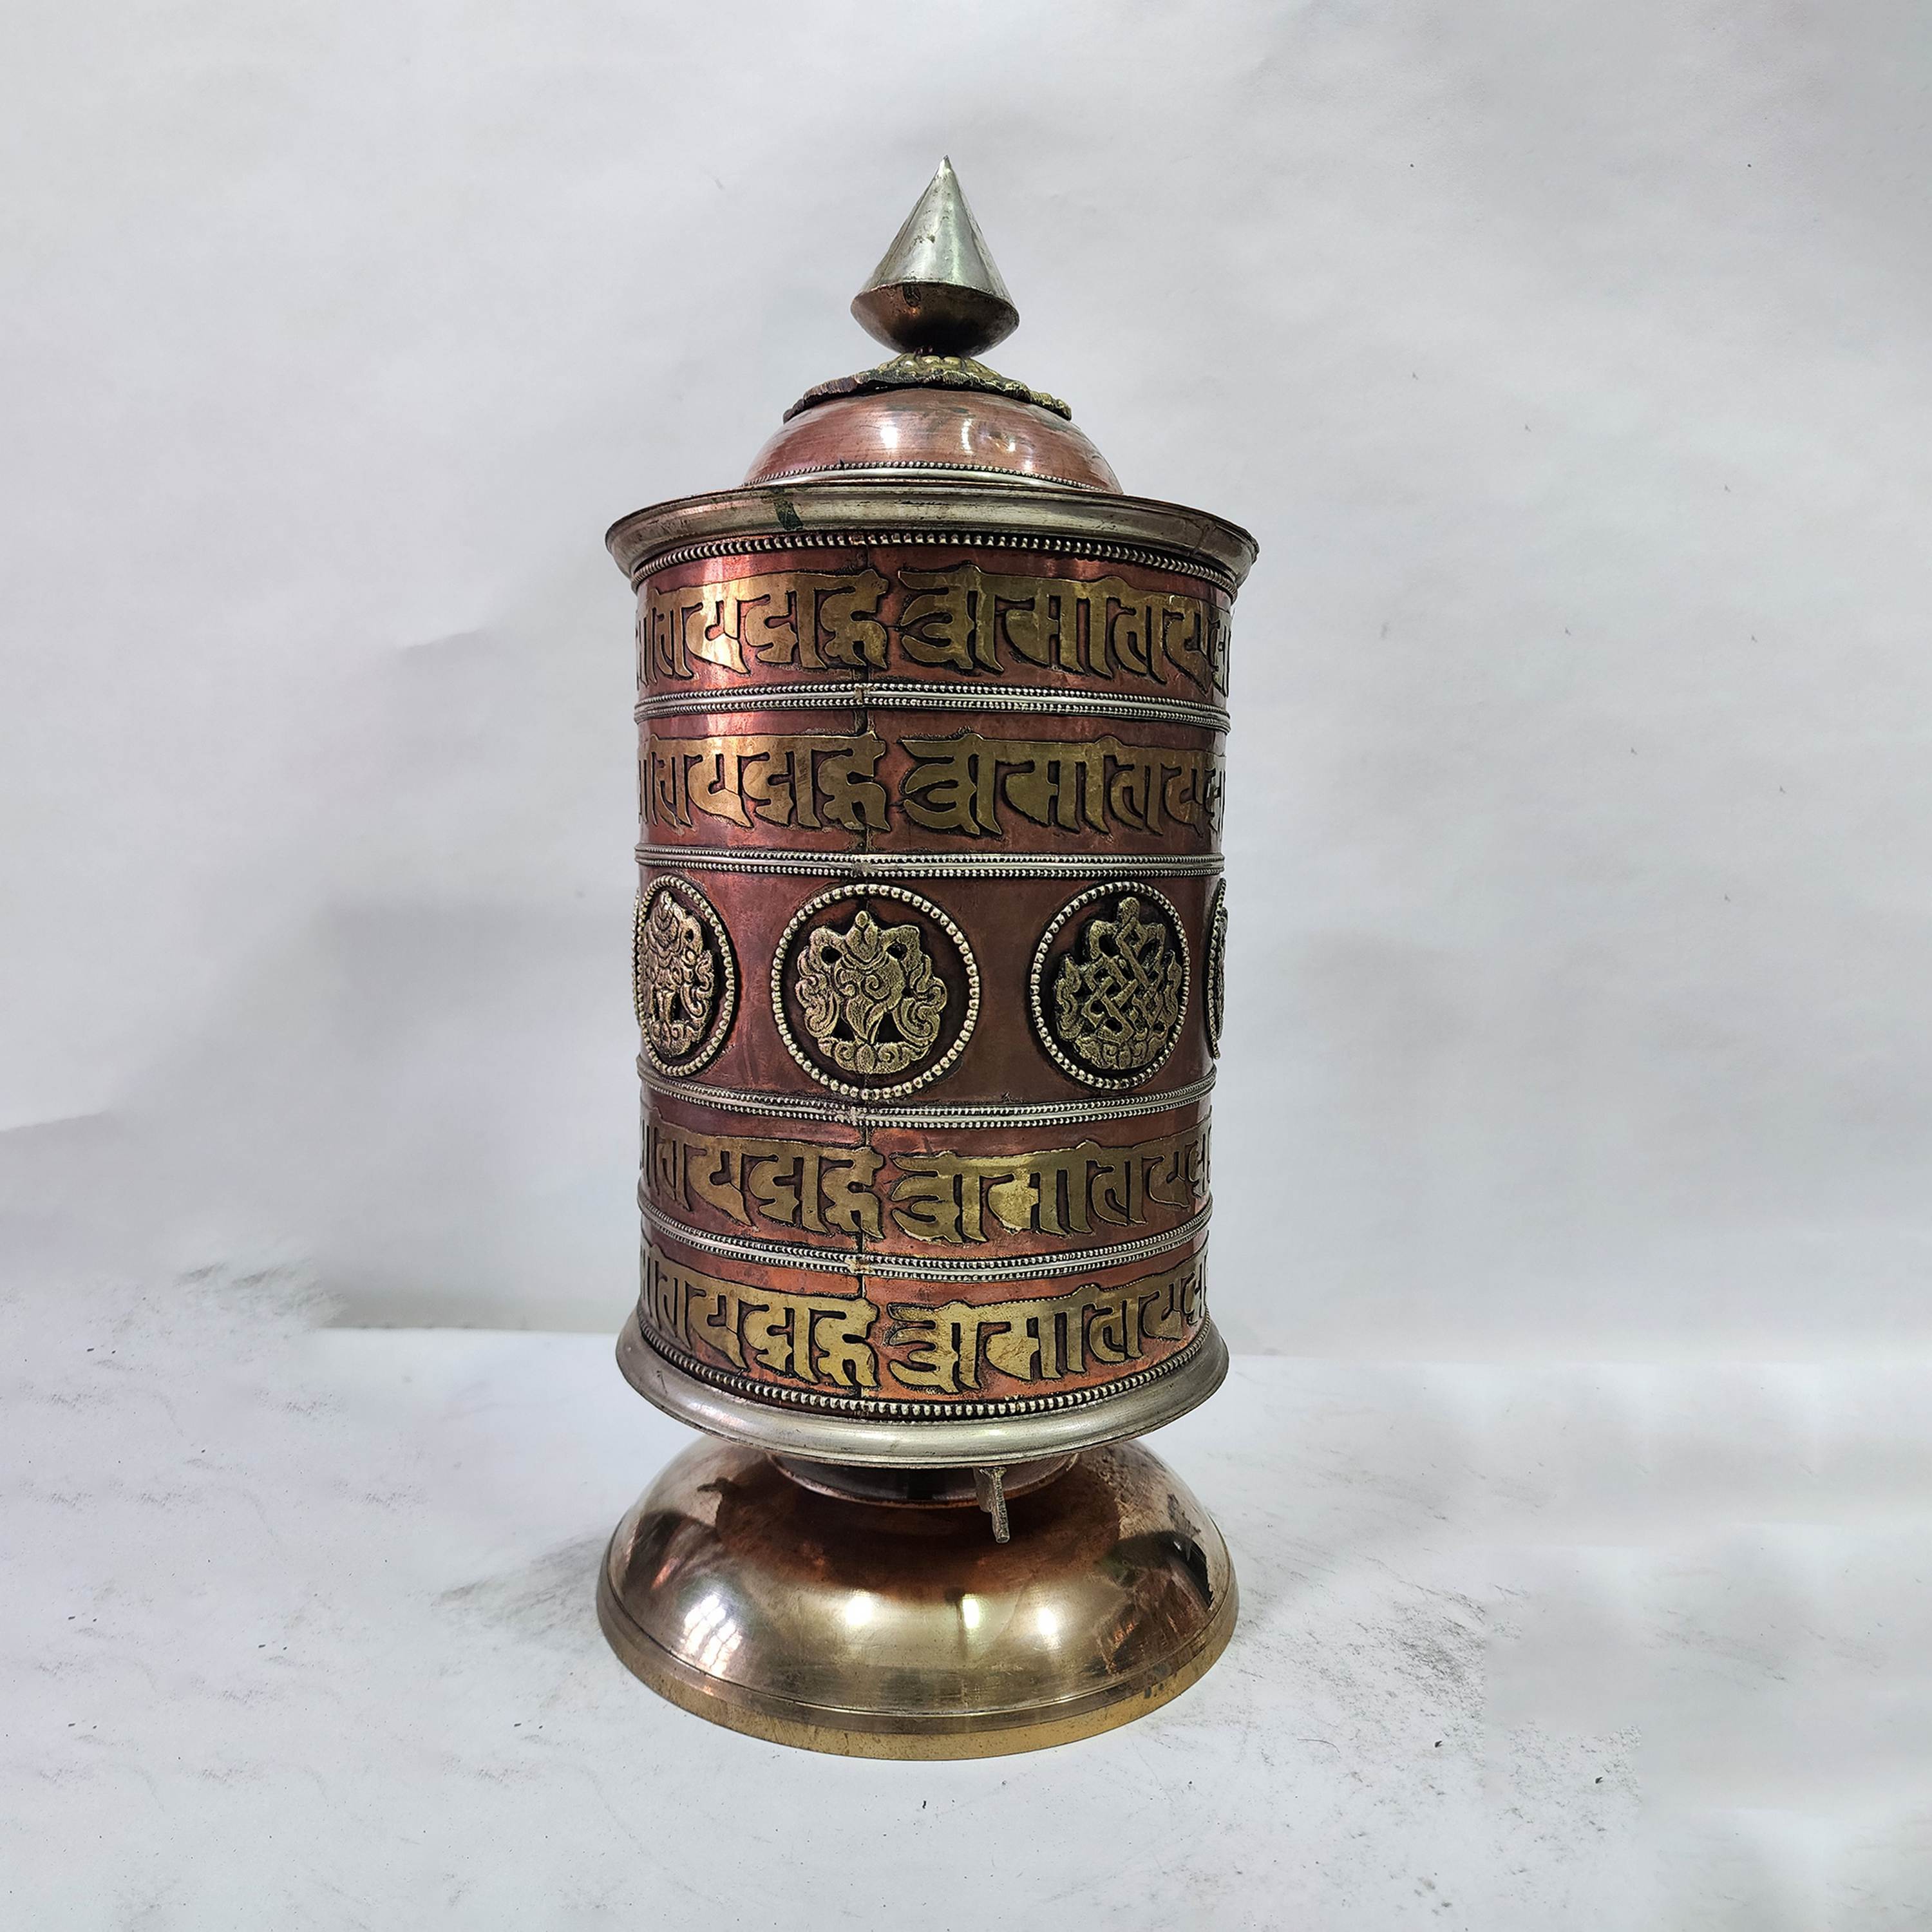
<point>899,1630</point>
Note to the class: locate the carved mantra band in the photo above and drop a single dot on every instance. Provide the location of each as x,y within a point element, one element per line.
<point>929,1195</point>
<point>965,783</point>
<point>965,619</point>
<point>849,1346</point>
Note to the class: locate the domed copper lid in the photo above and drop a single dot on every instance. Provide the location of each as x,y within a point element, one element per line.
<point>937,298</point>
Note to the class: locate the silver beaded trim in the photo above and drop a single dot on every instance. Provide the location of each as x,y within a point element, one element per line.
<point>1183,563</point>
<point>909,1267</point>
<point>886,1409</point>
<point>846,694</point>
<point>931,865</point>
<point>968,1117</point>
<point>781,957</point>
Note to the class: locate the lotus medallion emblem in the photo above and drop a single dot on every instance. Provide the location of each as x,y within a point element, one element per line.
<point>871,1000</point>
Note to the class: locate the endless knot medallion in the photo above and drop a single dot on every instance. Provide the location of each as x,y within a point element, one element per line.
<point>1120,990</point>
<point>879,1007</point>
<point>871,1000</point>
<point>684,980</point>
<point>1214,973</point>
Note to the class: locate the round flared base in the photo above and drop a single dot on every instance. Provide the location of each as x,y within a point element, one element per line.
<point>883,1627</point>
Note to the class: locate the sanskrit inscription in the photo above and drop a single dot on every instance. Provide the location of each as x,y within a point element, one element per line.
<point>805,779</point>
<point>967,784</point>
<point>948,1199</point>
<point>960,783</point>
<point>787,1184</point>
<point>949,1348</point>
<point>978,623</point>
<point>811,1338</point>
<point>953,1348</point>
<point>1073,1191</point>
<point>800,618</point>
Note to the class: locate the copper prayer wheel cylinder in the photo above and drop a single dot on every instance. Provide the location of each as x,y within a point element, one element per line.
<point>928,963</point>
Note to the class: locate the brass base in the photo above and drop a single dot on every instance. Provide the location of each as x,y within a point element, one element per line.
<point>897,1627</point>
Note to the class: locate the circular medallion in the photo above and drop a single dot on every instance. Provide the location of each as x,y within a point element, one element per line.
<point>875,990</point>
<point>1109,985</point>
<point>1214,968</point>
<point>684,976</point>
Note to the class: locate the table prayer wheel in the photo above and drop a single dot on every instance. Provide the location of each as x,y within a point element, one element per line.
<point>927,966</point>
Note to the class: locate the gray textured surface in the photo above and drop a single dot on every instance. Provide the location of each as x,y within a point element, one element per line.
<point>297,1631</point>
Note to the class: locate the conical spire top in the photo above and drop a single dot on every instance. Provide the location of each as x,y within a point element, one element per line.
<point>936,291</point>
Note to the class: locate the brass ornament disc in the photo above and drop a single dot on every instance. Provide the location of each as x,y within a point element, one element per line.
<point>1109,1008</point>
<point>868,990</point>
<point>684,977</point>
<point>902,1629</point>
<point>1214,969</point>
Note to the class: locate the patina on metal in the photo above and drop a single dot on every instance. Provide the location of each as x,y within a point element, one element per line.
<point>928,964</point>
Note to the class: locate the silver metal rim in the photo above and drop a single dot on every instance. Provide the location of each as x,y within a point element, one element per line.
<point>985,1443</point>
<point>853,1261</point>
<point>933,865</point>
<point>895,507</point>
<point>853,694</point>
<point>966,1114</point>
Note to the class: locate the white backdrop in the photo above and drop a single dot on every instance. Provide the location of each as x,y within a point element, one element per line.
<point>1569,363</point>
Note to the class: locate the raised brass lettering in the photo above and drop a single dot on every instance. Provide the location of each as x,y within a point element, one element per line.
<point>807,779</point>
<point>1043,1339</point>
<point>812,1338</point>
<point>789,1184</point>
<point>958,783</point>
<point>815,622</point>
<point>979,623</point>
<point>949,1200</point>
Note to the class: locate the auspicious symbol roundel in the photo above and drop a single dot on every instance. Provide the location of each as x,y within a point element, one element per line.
<point>1108,1010</point>
<point>874,989</point>
<point>684,978</point>
<point>872,1002</point>
<point>1214,971</point>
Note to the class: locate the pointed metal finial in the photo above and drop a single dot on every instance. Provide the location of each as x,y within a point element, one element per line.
<point>937,292</point>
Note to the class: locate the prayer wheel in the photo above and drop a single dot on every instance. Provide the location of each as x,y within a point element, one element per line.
<point>927,965</point>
